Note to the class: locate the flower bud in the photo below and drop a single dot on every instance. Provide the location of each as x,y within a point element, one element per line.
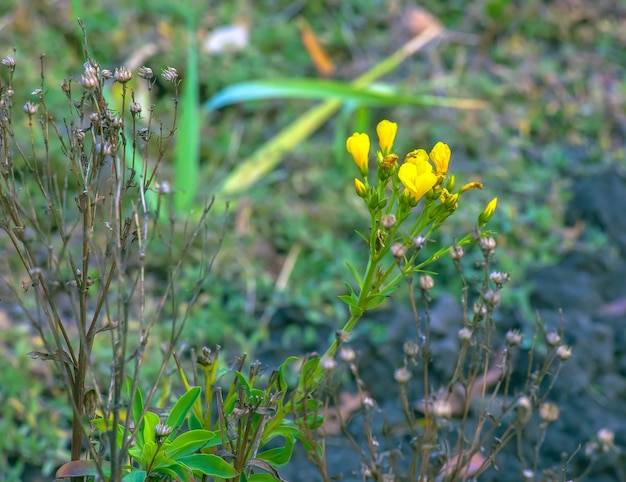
<point>456,252</point>
<point>145,73</point>
<point>485,216</point>
<point>549,412</point>
<point>402,375</point>
<point>465,334</point>
<point>513,337</point>
<point>563,352</point>
<point>30,108</point>
<point>360,188</point>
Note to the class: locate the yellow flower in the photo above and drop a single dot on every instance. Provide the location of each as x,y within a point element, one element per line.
<point>386,131</point>
<point>417,156</point>
<point>359,146</point>
<point>440,155</point>
<point>418,178</point>
<point>360,188</point>
<point>485,216</point>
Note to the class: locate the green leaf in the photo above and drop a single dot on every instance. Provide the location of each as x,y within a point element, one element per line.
<point>182,407</point>
<point>280,455</point>
<point>307,374</point>
<point>135,476</point>
<point>356,275</point>
<point>150,421</point>
<point>189,442</point>
<point>261,478</point>
<point>318,89</point>
<point>374,301</point>
<point>208,464</point>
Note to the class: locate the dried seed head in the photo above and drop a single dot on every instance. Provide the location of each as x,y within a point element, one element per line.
<point>30,108</point>
<point>419,241</point>
<point>563,352</point>
<point>499,278</point>
<point>94,118</point>
<point>328,364</point>
<point>487,244</point>
<point>347,354</point>
<point>388,221</point>
<point>402,375</point>
<point>442,409</point>
<point>170,74</point>
<point>9,62</point>
<point>491,297</point>
<point>37,91</point>
<point>342,336</point>
<point>513,337</point>
<point>398,250</point>
<point>369,402</point>
<point>523,409</point>
<point>480,310</point>
<point>606,438</point>
<point>457,252</point>
<point>89,80</point>
<point>553,338</point>
<point>122,75</point>
<point>549,412</point>
<point>106,74</point>
<point>163,430</point>
<point>9,92</point>
<point>427,282</point>
<point>410,348</point>
<point>135,108</point>
<point>145,73</point>
<point>465,334</point>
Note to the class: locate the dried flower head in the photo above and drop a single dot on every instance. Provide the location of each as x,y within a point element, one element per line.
<point>9,62</point>
<point>163,430</point>
<point>456,252</point>
<point>342,336</point>
<point>419,241</point>
<point>523,409</point>
<point>442,409</point>
<point>398,250</point>
<point>465,334</point>
<point>606,438</point>
<point>388,221</point>
<point>328,364</point>
<point>402,375</point>
<point>427,282</point>
<point>549,412</point>
<point>145,73</point>
<point>491,297</point>
<point>89,79</point>
<point>410,348</point>
<point>122,75</point>
<point>499,278</point>
<point>347,354</point>
<point>487,244</point>
<point>553,338</point>
<point>170,74</point>
<point>30,108</point>
<point>135,108</point>
<point>106,74</point>
<point>513,337</point>
<point>564,352</point>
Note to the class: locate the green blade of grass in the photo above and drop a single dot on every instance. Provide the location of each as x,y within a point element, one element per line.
<point>329,90</point>
<point>186,162</point>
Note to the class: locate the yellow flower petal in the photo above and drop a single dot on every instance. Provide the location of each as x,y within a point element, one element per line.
<point>417,179</point>
<point>359,146</point>
<point>440,155</point>
<point>418,156</point>
<point>386,131</point>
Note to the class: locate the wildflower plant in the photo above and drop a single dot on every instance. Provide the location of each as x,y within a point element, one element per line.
<point>407,202</point>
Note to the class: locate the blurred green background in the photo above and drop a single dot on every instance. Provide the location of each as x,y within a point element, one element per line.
<point>551,74</point>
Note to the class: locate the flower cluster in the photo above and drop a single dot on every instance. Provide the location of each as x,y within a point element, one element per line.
<point>422,175</point>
